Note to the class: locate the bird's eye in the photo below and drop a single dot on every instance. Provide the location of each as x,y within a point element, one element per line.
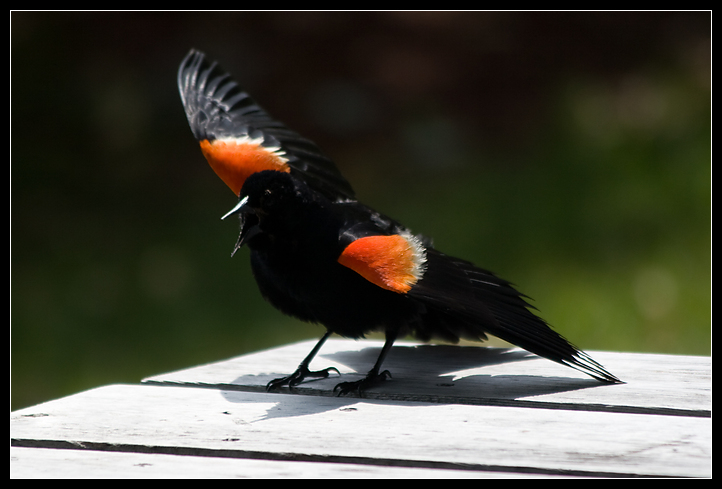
<point>267,198</point>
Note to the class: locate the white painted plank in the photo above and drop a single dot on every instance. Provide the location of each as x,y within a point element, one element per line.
<point>467,374</point>
<point>206,421</point>
<point>48,463</point>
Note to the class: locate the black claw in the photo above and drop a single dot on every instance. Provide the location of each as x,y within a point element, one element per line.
<point>299,376</point>
<point>360,386</point>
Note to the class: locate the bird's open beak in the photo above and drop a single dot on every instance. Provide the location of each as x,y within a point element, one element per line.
<point>239,208</point>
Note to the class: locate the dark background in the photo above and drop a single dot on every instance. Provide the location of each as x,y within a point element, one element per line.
<point>568,152</point>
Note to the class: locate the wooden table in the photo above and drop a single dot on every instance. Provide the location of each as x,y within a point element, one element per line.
<point>448,411</point>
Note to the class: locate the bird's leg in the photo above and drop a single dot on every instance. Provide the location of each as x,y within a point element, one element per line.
<point>373,377</point>
<point>303,372</point>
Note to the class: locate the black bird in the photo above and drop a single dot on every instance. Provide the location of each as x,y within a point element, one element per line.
<point>321,256</point>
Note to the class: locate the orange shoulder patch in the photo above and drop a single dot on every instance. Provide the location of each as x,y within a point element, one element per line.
<point>393,262</point>
<point>235,159</point>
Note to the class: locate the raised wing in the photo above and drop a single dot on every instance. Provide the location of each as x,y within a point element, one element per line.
<point>239,138</point>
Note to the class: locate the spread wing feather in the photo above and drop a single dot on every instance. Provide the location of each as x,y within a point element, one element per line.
<point>217,108</point>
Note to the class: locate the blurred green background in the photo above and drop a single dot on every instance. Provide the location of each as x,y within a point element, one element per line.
<point>568,152</point>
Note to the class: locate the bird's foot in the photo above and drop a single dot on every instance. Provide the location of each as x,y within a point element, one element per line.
<point>360,386</point>
<point>299,376</point>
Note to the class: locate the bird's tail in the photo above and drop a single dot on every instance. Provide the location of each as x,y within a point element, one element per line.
<point>467,302</point>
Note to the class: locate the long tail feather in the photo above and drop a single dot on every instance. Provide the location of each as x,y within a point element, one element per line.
<point>485,303</point>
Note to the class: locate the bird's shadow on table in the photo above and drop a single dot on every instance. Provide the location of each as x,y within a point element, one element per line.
<point>427,373</point>
<point>435,369</point>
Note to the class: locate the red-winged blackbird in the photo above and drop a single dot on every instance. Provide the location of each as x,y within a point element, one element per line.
<point>321,256</point>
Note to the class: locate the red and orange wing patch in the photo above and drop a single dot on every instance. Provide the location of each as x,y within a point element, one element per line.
<point>395,262</point>
<point>235,159</point>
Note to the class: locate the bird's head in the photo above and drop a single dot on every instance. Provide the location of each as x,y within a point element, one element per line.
<point>270,202</point>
